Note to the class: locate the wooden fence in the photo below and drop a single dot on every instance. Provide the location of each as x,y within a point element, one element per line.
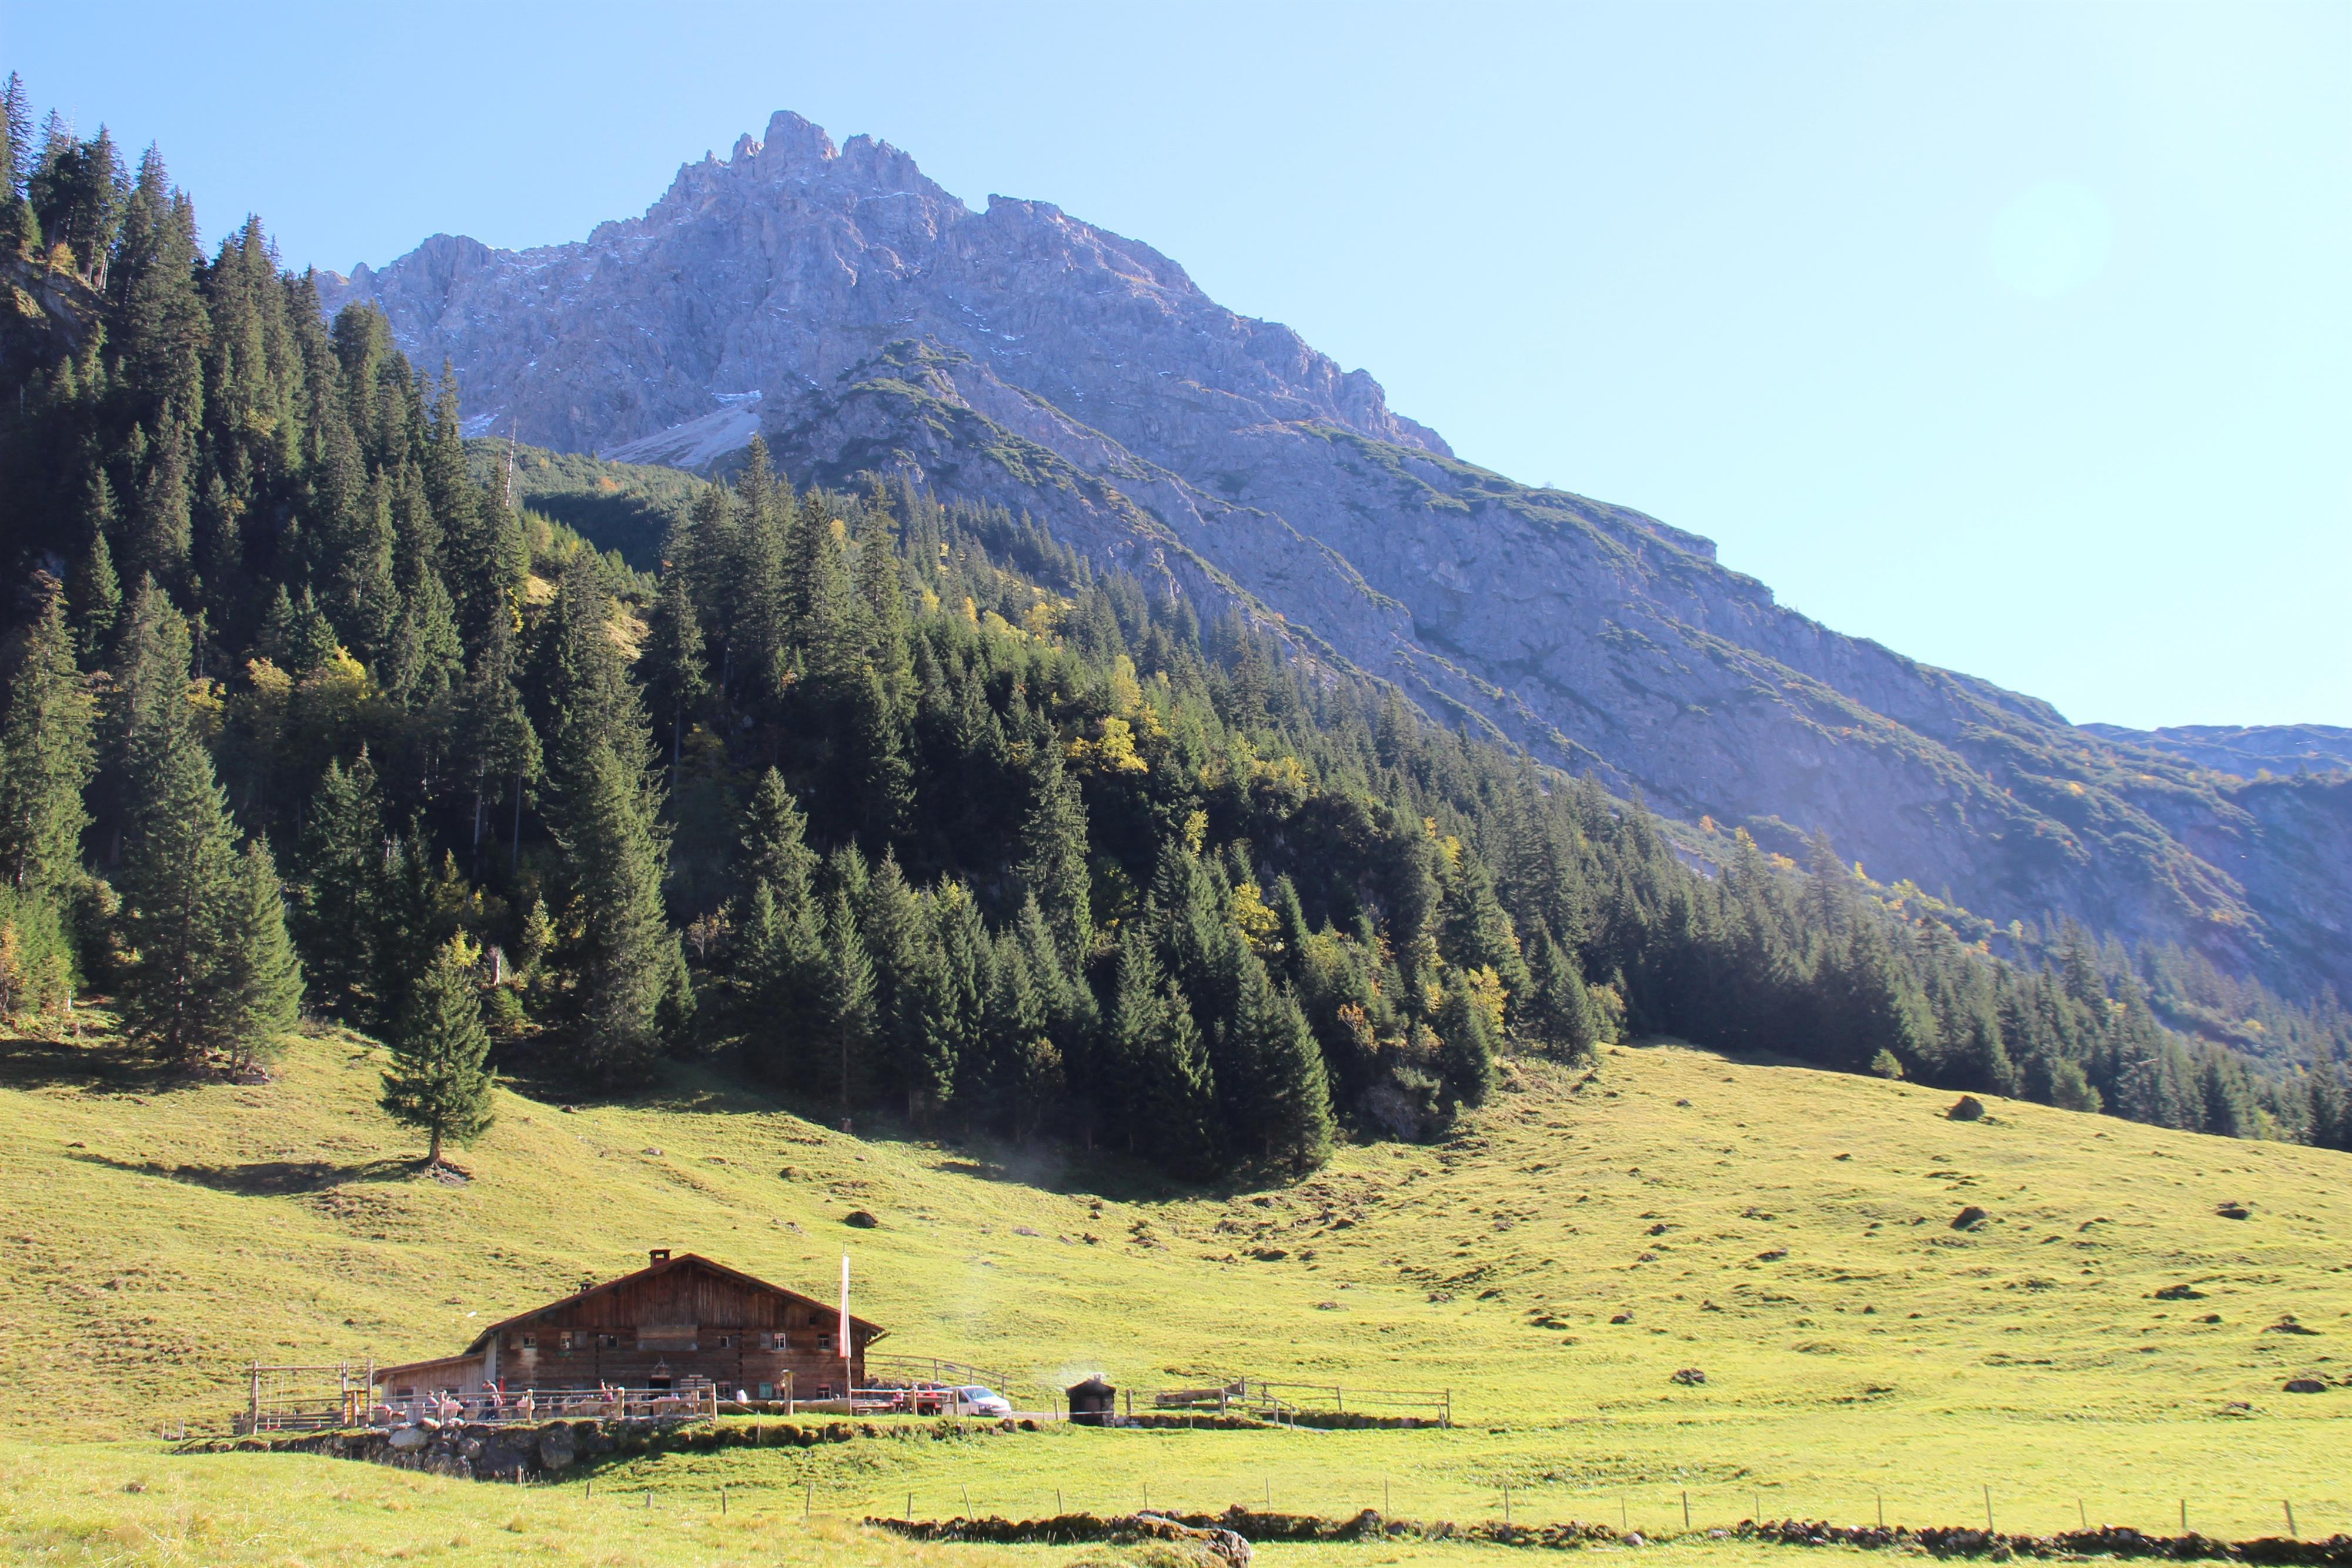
<point>318,1398</point>
<point>1306,1404</point>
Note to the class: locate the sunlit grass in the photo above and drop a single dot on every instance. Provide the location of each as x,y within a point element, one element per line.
<point>1883,1359</point>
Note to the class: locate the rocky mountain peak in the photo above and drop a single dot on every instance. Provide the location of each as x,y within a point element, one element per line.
<point>865,320</point>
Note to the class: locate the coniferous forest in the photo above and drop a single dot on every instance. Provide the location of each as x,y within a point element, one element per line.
<point>897,807</point>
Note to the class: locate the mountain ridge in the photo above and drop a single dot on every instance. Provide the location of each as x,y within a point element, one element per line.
<point>866,321</point>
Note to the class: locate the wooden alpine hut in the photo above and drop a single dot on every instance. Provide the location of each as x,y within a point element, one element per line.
<point>679,1323</point>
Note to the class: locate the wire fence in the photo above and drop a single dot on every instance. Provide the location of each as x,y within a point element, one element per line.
<point>1654,1514</point>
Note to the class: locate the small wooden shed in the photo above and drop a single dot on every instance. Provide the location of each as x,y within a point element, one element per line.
<point>677,1321</point>
<point>1094,1403</point>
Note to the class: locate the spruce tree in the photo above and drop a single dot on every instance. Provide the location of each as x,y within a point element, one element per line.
<point>160,523</point>
<point>179,873</point>
<point>439,1082</point>
<point>1053,854</point>
<point>259,988</point>
<point>606,821</point>
<point>1560,1008</point>
<point>1274,1094</point>
<point>1466,1061</point>
<point>46,756</point>
<point>1177,1091</point>
<point>625,957</point>
<point>342,911</point>
<point>780,972</point>
<point>494,733</point>
<point>93,592</point>
<point>890,921</point>
<point>847,979</point>
<point>674,656</point>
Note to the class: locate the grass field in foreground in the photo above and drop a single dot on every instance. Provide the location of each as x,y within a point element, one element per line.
<point>1786,1231</point>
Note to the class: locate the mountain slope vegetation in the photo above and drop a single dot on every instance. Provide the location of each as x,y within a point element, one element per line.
<point>901,805</point>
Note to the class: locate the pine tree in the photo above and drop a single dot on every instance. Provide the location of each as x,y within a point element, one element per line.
<point>161,525</point>
<point>779,977</point>
<point>1054,854</point>
<point>1466,1061</point>
<point>674,653</point>
<point>849,992</point>
<point>1272,1089</point>
<point>342,911</point>
<point>890,921</point>
<point>46,756</point>
<point>439,1082</point>
<point>606,823</point>
<point>624,955</point>
<point>258,991</point>
<point>179,873</point>
<point>93,593</point>
<point>1561,1007</point>
<point>494,733</point>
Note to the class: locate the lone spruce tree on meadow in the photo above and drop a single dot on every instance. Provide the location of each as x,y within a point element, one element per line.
<point>439,1080</point>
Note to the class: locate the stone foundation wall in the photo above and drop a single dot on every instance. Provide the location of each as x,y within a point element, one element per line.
<point>519,1451</point>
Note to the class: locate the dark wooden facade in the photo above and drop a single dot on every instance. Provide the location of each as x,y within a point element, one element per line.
<point>677,1320</point>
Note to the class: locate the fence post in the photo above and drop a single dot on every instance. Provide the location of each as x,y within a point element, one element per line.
<point>2290,1534</point>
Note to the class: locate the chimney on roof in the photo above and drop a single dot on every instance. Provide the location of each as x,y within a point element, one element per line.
<point>659,1254</point>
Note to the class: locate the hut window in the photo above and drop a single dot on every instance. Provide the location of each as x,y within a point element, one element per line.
<point>727,1341</point>
<point>775,1339</point>
<point>609,1341</point>
<point>531,1342</point>
<point>824,1343</point>
<point>563,1340</point>
<point>403,1393</point>
<point>824,1391</point>
<point>767,1391</point>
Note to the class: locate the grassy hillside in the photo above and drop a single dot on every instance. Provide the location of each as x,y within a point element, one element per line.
<point>1785,1231</point>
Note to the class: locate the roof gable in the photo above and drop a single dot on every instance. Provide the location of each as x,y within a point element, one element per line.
<point>683,1260</point>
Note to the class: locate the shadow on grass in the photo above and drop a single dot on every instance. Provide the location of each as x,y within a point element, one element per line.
<point>267,1178</point>
<point>108,1063</point>
<point>719,1086</point>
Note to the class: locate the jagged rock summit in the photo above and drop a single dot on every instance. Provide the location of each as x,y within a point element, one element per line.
<point>779,271</point>
<point>868,321</point>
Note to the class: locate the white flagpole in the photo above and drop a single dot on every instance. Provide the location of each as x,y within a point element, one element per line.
<point>847,1366</point>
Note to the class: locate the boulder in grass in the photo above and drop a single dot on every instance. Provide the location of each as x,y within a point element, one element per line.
<point>1211,1547</point>
<point>857,1218</point>
<point>557,1447</point>
<point>1690,1377</point>
<point>1966,1108</point>
<point>1969,1219</point>
<point>2306,1385</point>
<point>2234,1210</point>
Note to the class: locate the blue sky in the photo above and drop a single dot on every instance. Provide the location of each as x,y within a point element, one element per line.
<point>2015,337</point>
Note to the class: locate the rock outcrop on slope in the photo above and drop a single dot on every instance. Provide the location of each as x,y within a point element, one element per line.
<point>867,320</point>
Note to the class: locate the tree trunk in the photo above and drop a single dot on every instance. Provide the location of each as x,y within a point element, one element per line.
<point>433,1159</point>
